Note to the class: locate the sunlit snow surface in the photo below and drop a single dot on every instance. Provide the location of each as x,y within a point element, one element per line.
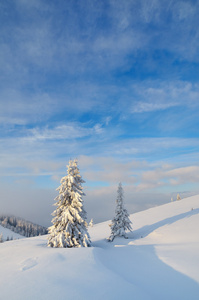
<point>159,260</point>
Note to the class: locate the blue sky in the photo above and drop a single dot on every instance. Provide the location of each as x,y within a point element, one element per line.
<point>113,83</point>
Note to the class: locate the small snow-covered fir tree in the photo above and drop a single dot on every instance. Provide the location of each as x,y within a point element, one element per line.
<point>69,227</point>
<point>91,223</point>
<point>1,238</point>
<point>121,221</point>
<point>178,197</point>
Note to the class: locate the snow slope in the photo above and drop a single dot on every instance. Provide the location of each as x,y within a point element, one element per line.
<point>7,233</point>
<point>160,260</point>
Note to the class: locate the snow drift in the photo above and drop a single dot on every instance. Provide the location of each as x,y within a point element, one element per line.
<point>159,260</point>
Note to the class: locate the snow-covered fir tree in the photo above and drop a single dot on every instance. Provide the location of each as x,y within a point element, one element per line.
<point>121,221</point>
<point>91,223</point>
<point>1,238</point>
<point>178,197</point>
<point>69,227</point>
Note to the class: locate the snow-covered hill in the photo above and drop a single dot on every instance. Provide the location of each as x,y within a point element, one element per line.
<point>8,234</point>
<point>21,226</point>
<point>160,260</point>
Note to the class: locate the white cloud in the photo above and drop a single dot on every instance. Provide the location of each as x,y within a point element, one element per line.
<point>19,107</point>
<point>142,147</point>
<point>141,107</point>
<point>156,95</point>
<point>184,174</point>
<point>63,132</point>
<point>97,153</point>
<point>36,151</point>
<point>164,177</point>
<point>70,131</point>
<point>140,175</point>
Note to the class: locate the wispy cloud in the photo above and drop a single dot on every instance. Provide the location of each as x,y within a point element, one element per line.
<point>37,150</point>
<point>105,102</point>
<point>64,132</point>
<point>19,107</point>
<point>26,152</point>
<point>142,175</point>
<point>36,41</point>
<point>141,107</point>
<point>169,176</point>
<point>114,83</point>
<point>156,95</point>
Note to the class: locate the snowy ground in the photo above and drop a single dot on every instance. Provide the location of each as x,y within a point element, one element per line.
<point>160,260</point>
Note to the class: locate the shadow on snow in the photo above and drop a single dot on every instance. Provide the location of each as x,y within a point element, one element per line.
<point>146,230</point>
<point>141,267</point>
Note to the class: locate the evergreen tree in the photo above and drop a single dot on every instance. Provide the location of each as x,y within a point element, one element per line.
<point>69,227</point>
<point>1,238</point>
<point>91,223</point>
<point>178,197</point>
<point>121,221</point>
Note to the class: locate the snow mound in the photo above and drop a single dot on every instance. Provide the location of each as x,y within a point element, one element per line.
<point>159,260</point>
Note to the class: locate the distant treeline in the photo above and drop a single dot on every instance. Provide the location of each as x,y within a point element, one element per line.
<point>22,226</point>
